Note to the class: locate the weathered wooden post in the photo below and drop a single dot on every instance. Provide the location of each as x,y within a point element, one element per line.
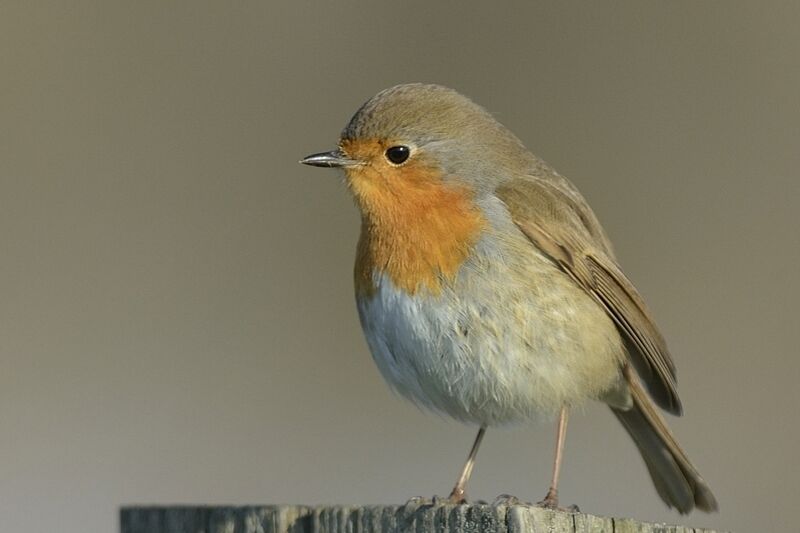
<point>438,518</point>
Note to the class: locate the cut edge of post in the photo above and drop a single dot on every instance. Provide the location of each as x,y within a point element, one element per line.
<point>425,517</point>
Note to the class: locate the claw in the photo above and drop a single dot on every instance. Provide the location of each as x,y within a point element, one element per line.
<point>434,501</point>
<point>438,500</point>
<point>506,500</point>
<point>417,501</point>
<point>550,501</point>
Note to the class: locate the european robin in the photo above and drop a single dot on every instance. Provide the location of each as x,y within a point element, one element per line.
<point>487,289</point>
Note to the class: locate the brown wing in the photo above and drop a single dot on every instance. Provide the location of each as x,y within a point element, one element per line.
<point>559,222</point>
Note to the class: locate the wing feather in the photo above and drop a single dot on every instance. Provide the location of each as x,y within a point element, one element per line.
<point>561,224</point>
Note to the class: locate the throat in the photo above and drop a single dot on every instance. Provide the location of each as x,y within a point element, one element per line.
<point>418,241</point>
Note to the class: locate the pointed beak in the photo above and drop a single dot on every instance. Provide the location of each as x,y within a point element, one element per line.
<point>334,159</point>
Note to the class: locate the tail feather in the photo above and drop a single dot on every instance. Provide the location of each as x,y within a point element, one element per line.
<point>676,479</point>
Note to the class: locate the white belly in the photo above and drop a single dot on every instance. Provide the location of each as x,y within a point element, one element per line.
<point>493,353</point>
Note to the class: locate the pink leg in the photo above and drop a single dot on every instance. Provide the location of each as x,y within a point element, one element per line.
<point>459,494</point>
<point>551,500</point>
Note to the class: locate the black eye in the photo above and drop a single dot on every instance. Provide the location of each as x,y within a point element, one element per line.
<point>398,154</point>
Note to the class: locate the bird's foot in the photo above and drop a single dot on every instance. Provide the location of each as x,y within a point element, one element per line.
<point>507,500</point>
<point>419,501</point>
<point>551,502</point>
<point>457,496</point>
<point>548,503</point>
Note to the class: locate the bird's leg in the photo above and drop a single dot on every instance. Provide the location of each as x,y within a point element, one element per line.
<point>551,500</point>
<point>459,494</point>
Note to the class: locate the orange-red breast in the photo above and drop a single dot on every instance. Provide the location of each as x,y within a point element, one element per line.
<point>487,289</point>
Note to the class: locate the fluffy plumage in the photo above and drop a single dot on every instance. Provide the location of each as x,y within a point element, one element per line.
<point>487,288</point>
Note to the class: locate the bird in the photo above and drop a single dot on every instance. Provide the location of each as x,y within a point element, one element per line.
<point>488,291</point>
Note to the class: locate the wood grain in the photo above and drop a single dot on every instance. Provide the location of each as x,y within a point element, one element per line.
<point>439,518</point>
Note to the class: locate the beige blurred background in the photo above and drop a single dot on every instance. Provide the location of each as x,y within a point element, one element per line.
<point>176,313</point>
